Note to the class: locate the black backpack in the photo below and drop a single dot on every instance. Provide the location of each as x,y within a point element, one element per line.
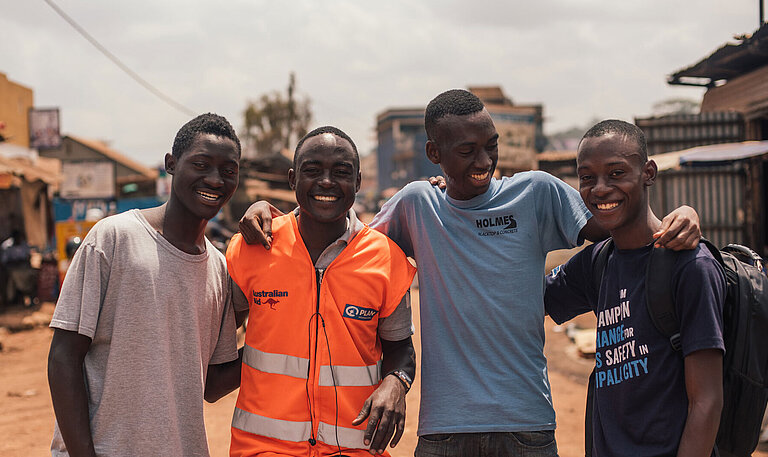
<point>745,333</point>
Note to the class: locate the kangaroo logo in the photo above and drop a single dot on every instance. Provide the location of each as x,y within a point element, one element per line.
<point>271,302</point>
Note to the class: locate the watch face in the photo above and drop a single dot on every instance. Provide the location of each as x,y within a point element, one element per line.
<point>404,377</point>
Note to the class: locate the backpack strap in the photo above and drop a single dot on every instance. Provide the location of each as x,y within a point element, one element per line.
<point>716,252</point>
<point>588,440</point>
<point>660,298</point>
<point>598,270</point>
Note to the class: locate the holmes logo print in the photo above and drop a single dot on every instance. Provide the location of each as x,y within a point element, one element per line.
<point>270,296</point>
<point>496,225</point>
<point>359,313</point>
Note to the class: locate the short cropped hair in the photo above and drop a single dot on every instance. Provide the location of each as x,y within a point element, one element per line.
<point>457,102</point>
<point>618,127</point>
<point>319,131</point>
<point>204,123</point>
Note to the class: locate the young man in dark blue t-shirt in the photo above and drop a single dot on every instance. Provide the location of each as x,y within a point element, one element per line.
<point>649,399</point>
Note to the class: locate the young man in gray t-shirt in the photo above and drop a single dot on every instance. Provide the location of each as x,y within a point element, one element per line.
<point>144,329</point>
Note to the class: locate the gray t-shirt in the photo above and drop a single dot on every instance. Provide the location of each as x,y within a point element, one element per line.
<point>157,317</point>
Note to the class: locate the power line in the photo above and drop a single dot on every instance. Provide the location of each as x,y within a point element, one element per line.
<point>119,63</point>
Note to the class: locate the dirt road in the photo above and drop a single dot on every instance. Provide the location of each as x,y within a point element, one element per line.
<point>26,421</point>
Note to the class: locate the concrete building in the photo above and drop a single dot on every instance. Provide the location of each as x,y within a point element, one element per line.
<point>93,170</point>
<point>401,144</point>
<point>15,102</point>
<point>520,127</point>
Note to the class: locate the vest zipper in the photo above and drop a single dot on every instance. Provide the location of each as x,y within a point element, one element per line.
<point>319,272</point>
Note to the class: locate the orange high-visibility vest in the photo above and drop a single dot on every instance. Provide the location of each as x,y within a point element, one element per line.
<point>312,355</point>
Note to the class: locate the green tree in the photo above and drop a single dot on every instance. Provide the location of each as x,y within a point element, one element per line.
<point>276,120</point>
<point>675,106</point>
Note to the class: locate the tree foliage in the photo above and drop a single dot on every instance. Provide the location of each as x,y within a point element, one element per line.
<point>675,106</point>
<point>276,120</point>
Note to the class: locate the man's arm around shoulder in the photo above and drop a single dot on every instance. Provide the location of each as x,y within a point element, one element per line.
<point>680,230</point>
<point>68,392</point>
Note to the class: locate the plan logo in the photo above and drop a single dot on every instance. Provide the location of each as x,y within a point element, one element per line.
<point>359,313</point>
<point>267,297</point>
<point>496,225</point>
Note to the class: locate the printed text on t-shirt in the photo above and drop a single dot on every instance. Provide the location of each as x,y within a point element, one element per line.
<point>618,356</point>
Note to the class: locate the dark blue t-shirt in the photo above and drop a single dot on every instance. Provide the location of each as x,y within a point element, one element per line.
<point>640,399</point>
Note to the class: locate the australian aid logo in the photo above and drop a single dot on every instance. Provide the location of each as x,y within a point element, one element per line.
<point>496,225</point>
<point>359,313</point>
<point>268,297</point>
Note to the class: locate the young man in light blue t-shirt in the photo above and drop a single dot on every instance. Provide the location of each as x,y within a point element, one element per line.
<point>480,246</point>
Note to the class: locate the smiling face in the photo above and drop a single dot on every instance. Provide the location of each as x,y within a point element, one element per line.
<point>326,178</point>
<point>613,182</point>
<point>467,149</point>
<point>204,176</point>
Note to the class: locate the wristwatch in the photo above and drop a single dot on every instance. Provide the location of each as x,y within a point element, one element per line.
<point>403,377</point>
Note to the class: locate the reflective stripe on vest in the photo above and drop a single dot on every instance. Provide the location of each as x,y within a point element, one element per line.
<point>298,367</point>
<point>288,365</point>
<point>348,437</point>
<point>273,428</point>
<point>297,431</point>
<point>350,376</point>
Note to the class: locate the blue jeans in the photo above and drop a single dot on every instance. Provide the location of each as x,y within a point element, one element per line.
<point>513,444</point>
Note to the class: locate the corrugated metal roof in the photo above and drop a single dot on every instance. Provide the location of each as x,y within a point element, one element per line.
<point>713,153</point>
<point>111,154</point>
<point>725,152</point>
<point>46,170</point>
<point>729,61</point>
<point>667,160</point>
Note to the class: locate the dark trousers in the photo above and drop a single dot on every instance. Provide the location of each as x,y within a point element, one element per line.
<point>500,444</point>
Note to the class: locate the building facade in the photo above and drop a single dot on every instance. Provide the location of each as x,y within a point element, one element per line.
<point>675,132</point>
<point>401,148</point>
<point>93,170</point>
<point>520,127</point>
<point>15,102</point>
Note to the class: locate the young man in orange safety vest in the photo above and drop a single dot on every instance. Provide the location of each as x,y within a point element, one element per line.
<point>329,332</point>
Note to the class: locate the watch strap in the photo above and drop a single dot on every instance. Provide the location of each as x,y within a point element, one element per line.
<point>403,377</point>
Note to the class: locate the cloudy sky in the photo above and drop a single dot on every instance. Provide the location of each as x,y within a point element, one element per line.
<point>580,58</point>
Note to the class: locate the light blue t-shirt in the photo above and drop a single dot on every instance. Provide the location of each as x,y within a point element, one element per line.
<point>481,286</point>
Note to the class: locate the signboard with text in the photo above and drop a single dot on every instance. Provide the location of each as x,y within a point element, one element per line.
<point>87,180</point>
<point>44,128</point>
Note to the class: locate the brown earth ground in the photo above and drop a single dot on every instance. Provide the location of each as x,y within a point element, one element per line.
<point>26,415</point>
